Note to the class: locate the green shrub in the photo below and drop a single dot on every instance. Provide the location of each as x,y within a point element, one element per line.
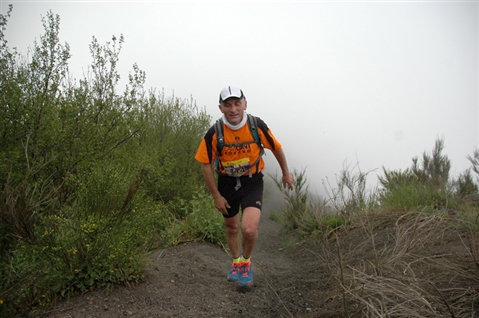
<point>98,241</point>
<point>296,200</point>
<point>350,194</point>
<point>421,186</point>
<point>202,221</point>
<point>303,213</point>
<point>332,222</point>
<point>87,174</point>
<point>165,147</point>
<point>275,216</point>
<point>465,185</point>
<point>410,195</point>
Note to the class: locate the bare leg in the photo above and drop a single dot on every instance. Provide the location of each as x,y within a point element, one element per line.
<point>232,235</point>
<point>249,229</point>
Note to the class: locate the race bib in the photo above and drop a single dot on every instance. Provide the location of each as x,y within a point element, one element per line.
<point>236,168</point>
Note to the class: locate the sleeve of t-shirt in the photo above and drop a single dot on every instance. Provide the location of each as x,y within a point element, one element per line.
<point>267,138</point>
<point>206,152</point>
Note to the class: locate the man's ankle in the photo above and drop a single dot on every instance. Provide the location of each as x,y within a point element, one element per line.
<point>245,259</point>
<point>237,259</point>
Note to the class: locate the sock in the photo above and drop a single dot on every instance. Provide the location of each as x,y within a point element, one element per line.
<point>243,259</point>
<point>237,260</point>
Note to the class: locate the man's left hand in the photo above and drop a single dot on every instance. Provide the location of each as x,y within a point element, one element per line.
<point>288,181</point>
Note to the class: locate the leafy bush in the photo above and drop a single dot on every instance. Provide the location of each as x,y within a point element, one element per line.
<point>98,241</point>
<point>166,145</point>
<point>404,192</point>
<point>424,186</point>
<point>350,194</point>
<point>465,185</point>
<point>88,174</point>
<point>296,200</point>
<point>420,186</point>
<point>332,222</point>
<point>202,220</point>
<point>302,213</point>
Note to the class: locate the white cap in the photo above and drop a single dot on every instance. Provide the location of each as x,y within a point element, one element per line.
<point>230,91</point>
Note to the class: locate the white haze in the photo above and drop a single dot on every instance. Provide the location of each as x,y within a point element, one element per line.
<point>368,83</point>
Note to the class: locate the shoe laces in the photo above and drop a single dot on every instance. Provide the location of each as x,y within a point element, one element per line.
<point>235,268</point>
<point>245,268</point>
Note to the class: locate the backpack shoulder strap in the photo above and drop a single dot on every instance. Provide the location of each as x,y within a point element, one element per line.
<point>219,130</point>
<point>253,127</point>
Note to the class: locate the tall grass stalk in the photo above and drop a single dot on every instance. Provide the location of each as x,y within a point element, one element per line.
<point>297,200</point>
<point>350,195</point>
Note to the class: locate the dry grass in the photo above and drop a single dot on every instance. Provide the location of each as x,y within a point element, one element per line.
<point>409,265</point>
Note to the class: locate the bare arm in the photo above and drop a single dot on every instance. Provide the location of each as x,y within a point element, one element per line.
<point>287,177</point>
<point>220,202</point>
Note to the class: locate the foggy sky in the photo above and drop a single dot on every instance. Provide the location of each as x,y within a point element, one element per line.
<point>368,83</point>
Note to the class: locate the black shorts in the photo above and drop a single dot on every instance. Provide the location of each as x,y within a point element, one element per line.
<point>250,194</point>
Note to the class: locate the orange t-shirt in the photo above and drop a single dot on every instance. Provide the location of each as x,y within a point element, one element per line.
<point>240,150</point>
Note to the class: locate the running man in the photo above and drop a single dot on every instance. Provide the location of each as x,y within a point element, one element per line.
<point>234,147</point>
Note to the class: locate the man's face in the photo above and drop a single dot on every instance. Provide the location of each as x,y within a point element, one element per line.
<point>233,108</point>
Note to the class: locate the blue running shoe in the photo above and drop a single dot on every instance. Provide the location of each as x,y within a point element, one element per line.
<point>246,274</point>
<point>234,273</point>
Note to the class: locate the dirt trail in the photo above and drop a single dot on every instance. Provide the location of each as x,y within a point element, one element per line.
<point>189,280</point>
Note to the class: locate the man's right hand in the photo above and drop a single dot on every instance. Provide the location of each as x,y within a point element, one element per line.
<point>222,205</point>
<point>220,202</point>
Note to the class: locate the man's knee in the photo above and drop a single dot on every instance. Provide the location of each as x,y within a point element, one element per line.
<point>249,226</point>
<point>249,232</point>
<point>232,225</point>
<point>232,230</point>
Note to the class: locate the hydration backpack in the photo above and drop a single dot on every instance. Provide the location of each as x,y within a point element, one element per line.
<point>253,128</point>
